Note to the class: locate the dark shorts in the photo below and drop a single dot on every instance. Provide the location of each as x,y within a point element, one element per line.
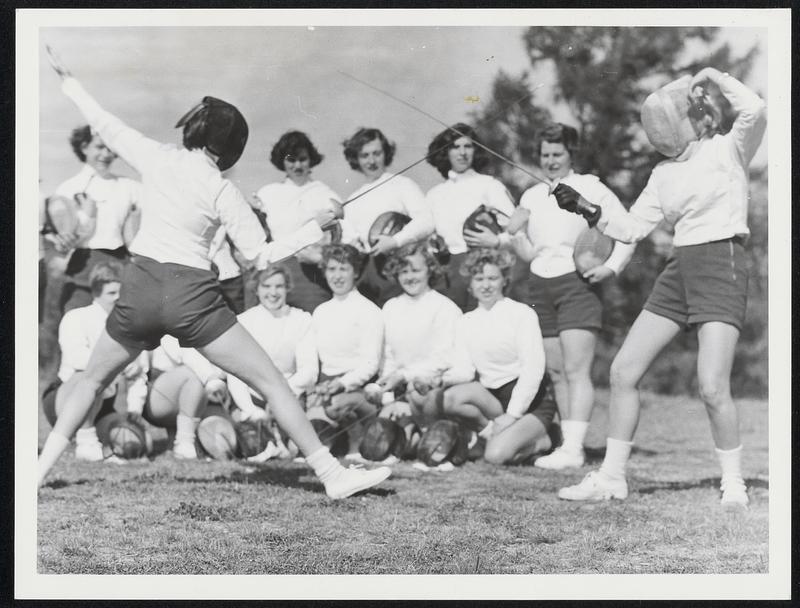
<point>543,405</point>
<point>163,298</point>
<point>233,293</point>
<point>49,403</point>
<point>76,292</point>
<point>702,283</point>
<point>565,302</point>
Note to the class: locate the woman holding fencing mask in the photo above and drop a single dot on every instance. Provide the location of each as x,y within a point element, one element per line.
<point>454,154</point>
<point>168,288</point>
<point>369,152</point>
<point>702,190</point>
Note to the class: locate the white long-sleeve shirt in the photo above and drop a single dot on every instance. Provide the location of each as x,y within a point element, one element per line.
<point>289,206</point>
<point>78,332</point>
<point>185,199</point>
<point>703,192</point>
<point>501,344</point>
<point>391,193</point>
<point>453,201</point>
<point>553,231</point>
<point>348,334</point>
<point>420,335</point>
<point>115,197</point>
<point>289,342</point>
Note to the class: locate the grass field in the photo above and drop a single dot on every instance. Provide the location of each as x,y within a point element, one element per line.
<point>171,517</point>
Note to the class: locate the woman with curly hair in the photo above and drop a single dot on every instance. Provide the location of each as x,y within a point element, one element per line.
<point>511,403</point>
<point>289,204</point>
<point>348,335</point>
<point>369,152</point>
<point>419,327</point>
<point>459,161</point>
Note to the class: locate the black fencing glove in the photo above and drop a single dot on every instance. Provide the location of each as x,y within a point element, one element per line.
<point>570,200</point>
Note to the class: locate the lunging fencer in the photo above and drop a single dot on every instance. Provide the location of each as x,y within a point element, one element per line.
<point>168,288</point>
<point>702,190</point>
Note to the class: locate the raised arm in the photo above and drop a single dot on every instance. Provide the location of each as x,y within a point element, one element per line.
<point>751,111</point>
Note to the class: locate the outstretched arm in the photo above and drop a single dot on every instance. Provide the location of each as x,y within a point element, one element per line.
<point>132,146</point>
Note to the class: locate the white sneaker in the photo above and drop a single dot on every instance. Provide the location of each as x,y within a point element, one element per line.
<point>184,450</point>
<point>354,479</point>
<point>90,451</point>
<point>734,495</point>
<point>560,459</point>
<point>595,486</point>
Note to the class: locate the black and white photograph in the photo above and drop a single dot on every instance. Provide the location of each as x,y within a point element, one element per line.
<point>484,304</point>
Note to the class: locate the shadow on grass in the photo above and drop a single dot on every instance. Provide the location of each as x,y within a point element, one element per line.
<point>57,484</point>
<point>288,478</point>
<point>596,455</point>
<point>709,482</point>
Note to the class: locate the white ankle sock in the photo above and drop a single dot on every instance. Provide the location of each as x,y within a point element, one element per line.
<point>324,464</point>
<point>730,461</point>
<point>574,432</point>
<point>87,435</point>
<point>486,432</point>
<point>186,427</point>
<point>54,446</point>
<point>617,454</point>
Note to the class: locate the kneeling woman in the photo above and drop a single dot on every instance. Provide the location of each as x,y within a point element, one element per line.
<point>420,329</point>
<point>284,332</point>
<point>348,334</point>
<point>511,403</point>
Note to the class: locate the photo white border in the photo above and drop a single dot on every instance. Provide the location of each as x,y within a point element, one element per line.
<point>774,585</point>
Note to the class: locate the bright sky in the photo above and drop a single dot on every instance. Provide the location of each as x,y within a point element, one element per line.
<point>288,78</point>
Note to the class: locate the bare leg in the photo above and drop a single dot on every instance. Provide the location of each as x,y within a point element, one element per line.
<point>237,352</point>
<point>63,394</point>
<point>555,367</point>
<point>108,359</point>
<point>472,404</point>
<point>577,346</point>
<point>648,335</point>
<point>717,343</point>
<point>526,436</point>
<point>176,390</point>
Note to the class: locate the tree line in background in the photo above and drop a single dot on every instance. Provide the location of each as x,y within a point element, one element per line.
<point>603,75</point>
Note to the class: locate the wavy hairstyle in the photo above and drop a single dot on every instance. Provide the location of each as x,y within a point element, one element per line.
<point>292,143</point>
<point>478,258</point>
<point>556,133</point>
<point>344,254</point>
<point>398,260</point>
<point>440,146</point>
<point>78,139</point>
<point>270,271</point>
<point>353,145</point>
<point>102,274</point>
